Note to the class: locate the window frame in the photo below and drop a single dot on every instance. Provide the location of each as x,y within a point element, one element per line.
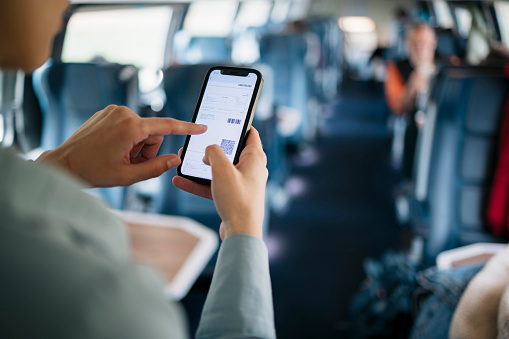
<point>89,6</point>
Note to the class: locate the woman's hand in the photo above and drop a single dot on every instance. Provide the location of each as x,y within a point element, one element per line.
<point>116,147</point>
<point>238,191</point>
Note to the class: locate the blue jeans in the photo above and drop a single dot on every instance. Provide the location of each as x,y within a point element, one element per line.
<point>436,298</point>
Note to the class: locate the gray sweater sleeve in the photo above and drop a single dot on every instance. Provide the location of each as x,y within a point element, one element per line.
<point>70,273</point>
<point>239,304</point>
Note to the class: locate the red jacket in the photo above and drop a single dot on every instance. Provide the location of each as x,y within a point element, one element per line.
<point>498,208</point>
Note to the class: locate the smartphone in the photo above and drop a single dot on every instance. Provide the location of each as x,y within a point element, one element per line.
<point>227,104</point>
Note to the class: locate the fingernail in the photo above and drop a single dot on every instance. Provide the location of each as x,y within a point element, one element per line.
<point>203,160</point>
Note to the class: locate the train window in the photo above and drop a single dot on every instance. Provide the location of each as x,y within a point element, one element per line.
<point>211,18</point>
<point>254,13</point>
<point>280,11</point>
<point>357,24</point>
<point>502,10</point>
<point>464,20</point>
<point>134,36</point>
<point>360,42</point>
<point>128,36</point>
<point>443,14</point>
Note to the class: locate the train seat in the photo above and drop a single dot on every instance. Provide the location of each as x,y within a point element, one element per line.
<point>286,55</point>
<point>328,73</point>
<point>70,93</point>
<point>456,157</point>
<point>195,50</point>
<point>449,44</point>
<point>182,87</point>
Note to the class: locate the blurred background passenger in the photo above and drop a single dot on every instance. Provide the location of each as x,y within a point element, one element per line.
<point>408,80</point>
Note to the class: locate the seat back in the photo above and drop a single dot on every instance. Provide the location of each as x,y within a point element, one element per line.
<point>286,55</point>
<point>449,44</point>
<point>182,86</point>
<point>265,121</point>
<point>70,93</point>
<point>469,106</point>
<point>204,50</point>
<point>329,70</point>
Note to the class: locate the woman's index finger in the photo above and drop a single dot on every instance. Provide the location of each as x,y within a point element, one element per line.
<point>165,126</point>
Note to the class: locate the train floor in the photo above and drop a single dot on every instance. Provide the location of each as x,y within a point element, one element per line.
<point>341,212</point>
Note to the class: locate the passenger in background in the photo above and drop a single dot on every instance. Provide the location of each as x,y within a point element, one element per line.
<point>65,260</point>
<point>408,79</point>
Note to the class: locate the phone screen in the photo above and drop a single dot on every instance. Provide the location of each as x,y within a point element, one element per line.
<point>225,108</point>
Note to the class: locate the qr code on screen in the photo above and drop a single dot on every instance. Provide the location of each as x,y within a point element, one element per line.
<point>227,146</point>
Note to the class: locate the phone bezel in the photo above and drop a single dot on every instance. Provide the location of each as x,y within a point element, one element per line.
<point>248,121</point>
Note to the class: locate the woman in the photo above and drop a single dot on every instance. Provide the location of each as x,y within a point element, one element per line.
<point>66,270</point>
